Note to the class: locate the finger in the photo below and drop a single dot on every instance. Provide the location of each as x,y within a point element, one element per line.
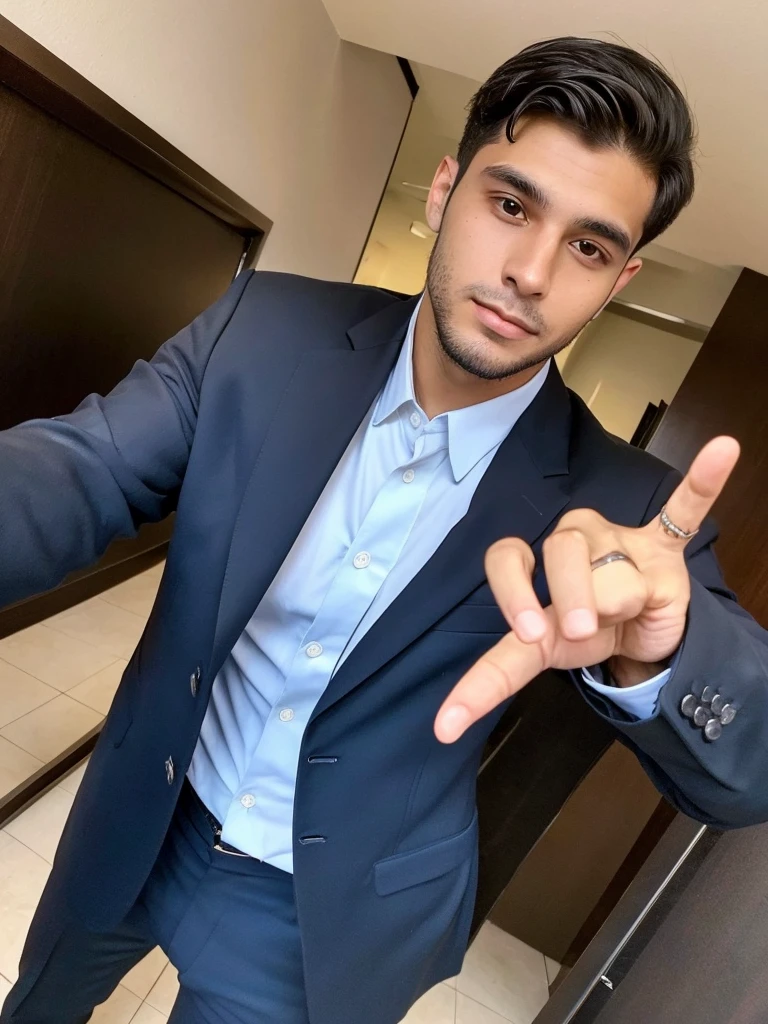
<point>500,673</point>
<point>569,576</point>
<point>509,566</point>
<point>694,497</point>
<point>621,592</point>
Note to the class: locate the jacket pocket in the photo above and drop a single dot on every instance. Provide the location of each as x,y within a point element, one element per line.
<point>402,870</point>
<point>474,618</point>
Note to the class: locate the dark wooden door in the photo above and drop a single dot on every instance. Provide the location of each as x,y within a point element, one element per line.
<point>707,961</point>
<point>726,392</point>
<point>111,241</point>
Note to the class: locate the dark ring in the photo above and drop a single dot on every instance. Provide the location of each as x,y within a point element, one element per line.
<point>612,556</point>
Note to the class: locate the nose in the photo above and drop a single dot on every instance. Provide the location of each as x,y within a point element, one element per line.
<point>529,266</point>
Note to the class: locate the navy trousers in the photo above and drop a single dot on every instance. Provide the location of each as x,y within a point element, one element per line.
<point>228,924</point>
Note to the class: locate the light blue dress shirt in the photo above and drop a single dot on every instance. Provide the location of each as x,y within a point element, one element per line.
<point>402,484</point>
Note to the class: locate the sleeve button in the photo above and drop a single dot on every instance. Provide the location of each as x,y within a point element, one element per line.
<point>689,705</point>
<point>713,729</point>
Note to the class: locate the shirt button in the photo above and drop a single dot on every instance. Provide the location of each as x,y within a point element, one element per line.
<point>362,560</point>
<point>247,799</point>
<point>415,419</point>
<point>286,715</point>
<point>408,476</point>
<point>314,650</point>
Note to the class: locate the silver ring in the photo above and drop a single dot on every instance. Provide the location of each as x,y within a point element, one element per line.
<point>612,556</point>
<point>672,530</point>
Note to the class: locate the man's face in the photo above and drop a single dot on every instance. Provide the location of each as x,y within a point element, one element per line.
<point>535,240</point>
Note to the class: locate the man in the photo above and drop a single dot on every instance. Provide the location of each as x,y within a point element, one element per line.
<point>283,795</point>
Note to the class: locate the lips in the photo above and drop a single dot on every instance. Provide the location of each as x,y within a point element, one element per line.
<point>507,327</point>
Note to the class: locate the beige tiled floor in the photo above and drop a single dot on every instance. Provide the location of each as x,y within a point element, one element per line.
<point>16,765</point>
<point>57,680</point>
<point>53,657</point>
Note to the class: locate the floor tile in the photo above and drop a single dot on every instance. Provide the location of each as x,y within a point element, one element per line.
<point>143,976</point>
<point>156,571</point>
<point>16,766</point>
<point>552,968</point>
<point>111,629</point>
<point>451,982</point>
<point>165,990</point>
<point>120,1008</point>
<point>49,729</point>
<point>98,691</point>
<point>23,875</point>
<point>51,656</point>
<point>20,693</point>
<point>504,974</point>
<point>40,826</point>
<point>468,1011</point>
<point>135,595</point>
<point>71,782</point>
<point>438,1006</point>
<point>147,1015</point>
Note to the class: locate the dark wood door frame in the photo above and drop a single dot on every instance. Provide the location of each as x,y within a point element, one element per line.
<point>33,72</point>
<point>43,79</point>
<point>722,393</point>
<point>40,76</point>
<point>648,900</point>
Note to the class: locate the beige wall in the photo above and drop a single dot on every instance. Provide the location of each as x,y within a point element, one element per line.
<point>262,94</point>
<point>394,258</point>
<point>632,364</point>
<point>694,290</point>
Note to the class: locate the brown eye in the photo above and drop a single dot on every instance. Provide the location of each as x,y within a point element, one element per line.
<point>511,206</point>
<point>588,249</point>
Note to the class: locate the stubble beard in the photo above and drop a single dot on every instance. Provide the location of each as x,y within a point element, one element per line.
<point>463,353</point>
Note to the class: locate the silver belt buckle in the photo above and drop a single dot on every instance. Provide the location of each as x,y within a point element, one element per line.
<point>216,829</point>
<point>232,853</point>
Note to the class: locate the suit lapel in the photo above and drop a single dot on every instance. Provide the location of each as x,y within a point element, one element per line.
<point>329,392</point>
<point>520,494</point>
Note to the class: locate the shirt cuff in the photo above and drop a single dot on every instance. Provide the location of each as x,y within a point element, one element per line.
<point>639,700</point>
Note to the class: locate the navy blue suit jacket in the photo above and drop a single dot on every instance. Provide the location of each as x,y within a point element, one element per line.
<point>237,424</point>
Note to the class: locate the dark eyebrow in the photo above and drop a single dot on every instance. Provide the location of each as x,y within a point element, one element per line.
<point>508,176</point>
<point>519,182</point>
<point>610,232</point>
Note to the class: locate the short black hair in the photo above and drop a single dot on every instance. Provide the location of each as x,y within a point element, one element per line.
<point>610,95</point>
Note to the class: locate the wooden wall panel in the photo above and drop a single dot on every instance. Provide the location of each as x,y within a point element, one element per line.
<point>726,392</point>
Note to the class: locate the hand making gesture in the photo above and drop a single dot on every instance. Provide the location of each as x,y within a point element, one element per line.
<point>617,593</point>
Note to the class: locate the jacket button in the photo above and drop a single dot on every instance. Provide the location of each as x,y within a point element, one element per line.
<point>170,771</point>
<point>700,717</point>
<point>728,714</point>
<point>713,730</point>
<point>689,705</point>
<point>194,681</point>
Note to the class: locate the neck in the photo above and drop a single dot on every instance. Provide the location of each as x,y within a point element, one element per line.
<point>441,385</point>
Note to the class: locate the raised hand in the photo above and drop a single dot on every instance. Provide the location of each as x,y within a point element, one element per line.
<point>617,593</point>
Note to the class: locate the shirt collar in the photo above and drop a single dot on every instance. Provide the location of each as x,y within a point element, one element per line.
<point>473,431</point>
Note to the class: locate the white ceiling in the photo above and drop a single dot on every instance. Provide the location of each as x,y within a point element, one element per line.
<point>716,52</point>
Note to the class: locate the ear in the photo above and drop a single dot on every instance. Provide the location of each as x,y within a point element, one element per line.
<point>442,183</point>
<point>633,267</point>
